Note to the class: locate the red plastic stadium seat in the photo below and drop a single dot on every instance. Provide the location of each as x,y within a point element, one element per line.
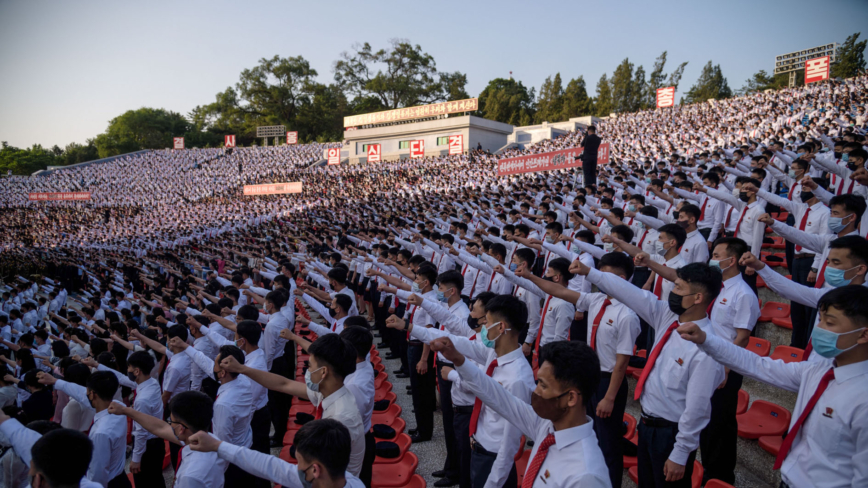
<point>759,346</point>
<point>788,354</point>
<point>743,402</point>
<point>772,310</point>
<point>386,416</point>
<point>167,459</point>
<point>403,442</point>
<point>696,479</point>
<point>416,481</point>
<point>771,443</point>
<point>396,474</point>
<point>785,322</point>
<point>521,465</point>
<point>391,397</point>
<point>383,392</point>
<point>522,444</point>
<point>630,461</point>
<point>718,484</point>
<point>763,418</point>
<point>630,422</point>
<point>782,217</point>
<point>398,424</point>
<point>284,455</point>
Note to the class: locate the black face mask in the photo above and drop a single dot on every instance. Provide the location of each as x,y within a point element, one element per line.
<point>742,195</point>
<point>837,155</point>
<point>852,166</point>
<point>806,195</point>
<point>675,303</point>
<point>332,312</point>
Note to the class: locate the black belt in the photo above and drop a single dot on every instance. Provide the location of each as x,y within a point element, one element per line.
<point>444,365</point>
<point>415,343</point>
<point>478,449</point>
<point>657,422</point>
<point>462,409</point>
<point>804,255</point>
<point>604,374</point>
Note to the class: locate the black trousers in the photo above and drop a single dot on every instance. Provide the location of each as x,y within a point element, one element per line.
<point>655,445</point>
<point>751,281</point>
<point>398,342</point>
<point>610,430</point>
<point>381,313</point>
<point>235,477</point>
<point>450,465</point>
<point>461,425</point>
<point>801,314</point>
<point>151,473</point>
<point>424,396</point>
<point>718,441</point>
<point>368,463</point>
<point>589,170</point>
<point>120,481</point>
<point>481,462</point>
<point>579,329</point>
<point>279,403</point>
<point>705,232</point>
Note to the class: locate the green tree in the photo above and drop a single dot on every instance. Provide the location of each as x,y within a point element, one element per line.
<point>603,102</point>
<point>322,119</point>
<point>508,101</point>
<point>549,106</point>
<point>576,101</point>
<point>851,57</point>
<point>400,76</point>
<point>658,79</point>
<point>761,81</point>
<point>25,161</point>
<point>711,84</point>
<point>75,153</point>
<point>640,86</point>
<point>145,128</point>
<point>623,94</point>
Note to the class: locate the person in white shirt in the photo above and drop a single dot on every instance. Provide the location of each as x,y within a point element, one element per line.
<point>59,458</point>
<point>825,446</point>
<point>695,247</point>
<point>678,380</point>
<point>189,412</point>
<point>322,449</point>
<point>75,415</point>
<point>108,433</point>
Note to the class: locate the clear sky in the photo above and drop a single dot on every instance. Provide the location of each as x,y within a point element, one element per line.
<point>69,67</point>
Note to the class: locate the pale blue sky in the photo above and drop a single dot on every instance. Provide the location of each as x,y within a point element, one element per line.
<point>70,66</point>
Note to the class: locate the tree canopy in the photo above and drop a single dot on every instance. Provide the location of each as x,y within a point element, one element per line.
<point>711,84</point>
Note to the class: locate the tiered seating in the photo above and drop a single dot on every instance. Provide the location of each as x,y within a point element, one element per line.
<point>788,354</point>
<point>771,310</point>
<point>762,419</point>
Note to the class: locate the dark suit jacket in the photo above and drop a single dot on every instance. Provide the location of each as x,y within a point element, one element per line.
<point>591,143</point>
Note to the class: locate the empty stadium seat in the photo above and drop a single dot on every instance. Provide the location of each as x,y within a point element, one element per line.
<point>630,461</point>
<point>771,443</point>
<point>416,482</point>
<point>630,423</point>
<point>759,346</point>
<point>761,419</point>
<point>386,416</point>
<point>284,454</point>
<point>772,310</point>
<point>404,442</point>
<point>718,484</point>
<point>743,401</point>
<point>521,465</point>
<point>395,475</point>
<point>788,354</point>
<point>785,322</point>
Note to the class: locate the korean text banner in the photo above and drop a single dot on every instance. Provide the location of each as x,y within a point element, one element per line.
<point>454,107</point>
<point>563,159</point>
<point>273,189</point>
<point>51,197</point>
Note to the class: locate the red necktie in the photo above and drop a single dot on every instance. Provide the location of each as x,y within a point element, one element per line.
<point>802,225</point>
<point>821,277</point>
<point>652,358</point>
<point>537,462</point>
<point>596,322</point>
<point>642,239</point>
<point>702,211</point>
<point>738,224</point>
<point>658,286</point>
<point>791,435</point>
<point>409,322</point>
<point>790,193</point>
<point>318,414</point>
<point>728,215</point>
<point>542,321</point>
<point>477,406</point>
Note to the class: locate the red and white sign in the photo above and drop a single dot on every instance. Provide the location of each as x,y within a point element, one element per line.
<point>603,153</point>
<point>273,189</point>
<point>563,159</point>
<point>230,141</point>
<point>52,197</point>
<point>334,156</point>
<point>817,69</point>
<point>456,144</point>
<point>292,137</point>
<point>374,153</point>
<point>665,97</point>
<point>417,149</point>
<point>178,142</point>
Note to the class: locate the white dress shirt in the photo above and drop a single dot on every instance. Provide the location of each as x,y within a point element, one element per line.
<point>200,469</point>
<point>556,314</point>
<point>619,327</point>
<point>831,448</point>
<point>735,308</point>
<point>363,387</point>
<point>695,248</point>
<point>76,417</point>
<point>271,343</point>
<point>341,406</point>
<point>665,285</point>
<point>177,376</point>
<point>209,349</point>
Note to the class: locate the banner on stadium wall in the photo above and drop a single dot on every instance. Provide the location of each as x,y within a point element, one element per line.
<point>374,153</point>
<point>603,153</point>
<point>456,144</point>
<point>817,69</point>
<point>334,156</point>
<point>292,137</point>
<point>417,149</point>
<point>563,159</point>
<point>273,189</point>
<point>230,141</point>
<point>409,113</point>
<point>665,97</point>
<point>61,196</point>
<point>178,142</point>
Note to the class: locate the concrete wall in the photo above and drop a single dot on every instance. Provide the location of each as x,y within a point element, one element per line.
<point>532,134</point>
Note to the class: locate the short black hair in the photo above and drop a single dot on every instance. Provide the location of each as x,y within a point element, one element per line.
<point>230,350</point>
<point>194,409</point>
<point>857,245</point>
<point>619,261</point>
<point>852,300</point>
<point>562,266</point>
<point>141,360</point>
<point>104,384</point>
<point>734,247</point>
<point>624,231</point>
<point>178,331</point>
<point>247,312</point>
<point>451,277</point>
<point>360,337</point>
<point>344,301</point>
<point>509,309</point>
<point>574,364</point>
<point>338,275</point>
<point>703,275</point>
<point>250,330</point>
<point>77,373</point>
<point>527,255</point>
<point>427,272</point>
<point>336,353</point>
<point>277,297</point>
<point>676,232</point>
<point>327,442</point>
<point>692,210</point>
<point>62,456</point>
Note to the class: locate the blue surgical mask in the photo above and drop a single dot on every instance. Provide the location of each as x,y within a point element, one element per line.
<point>513,267</point>
<point>835,276</point>
<point>825,342</point>
<point>570,224</point>
<point>631,208</point>
<point>483,336</point>
<point>845,157</point>
<point>836,224</point>
<point>415,287</point>
<point>791,173</point>
<point>441,297</point>
<point>309,383</point>
<point>549,240</point>
<point>714,263</point>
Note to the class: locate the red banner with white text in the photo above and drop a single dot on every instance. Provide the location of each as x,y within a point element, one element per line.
<point>63,196</point>
<point>273,188</point>
<point>563,159</point>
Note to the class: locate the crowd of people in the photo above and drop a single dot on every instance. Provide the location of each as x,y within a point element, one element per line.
<point>172,300</point>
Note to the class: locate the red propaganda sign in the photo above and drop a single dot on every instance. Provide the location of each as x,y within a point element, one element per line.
<point>665,97</point>
<point>456,144</point>
<point>563,159</point>
<point>603,153</point>
<point>230,141</point>
<point>374,153</point>
<point>53,197</point>
<point>178,142</point>
<point>292,137</point>
<point>417,149</point>
<point>816,69</point>
<point>334,156</point>
<point>273,189</point>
